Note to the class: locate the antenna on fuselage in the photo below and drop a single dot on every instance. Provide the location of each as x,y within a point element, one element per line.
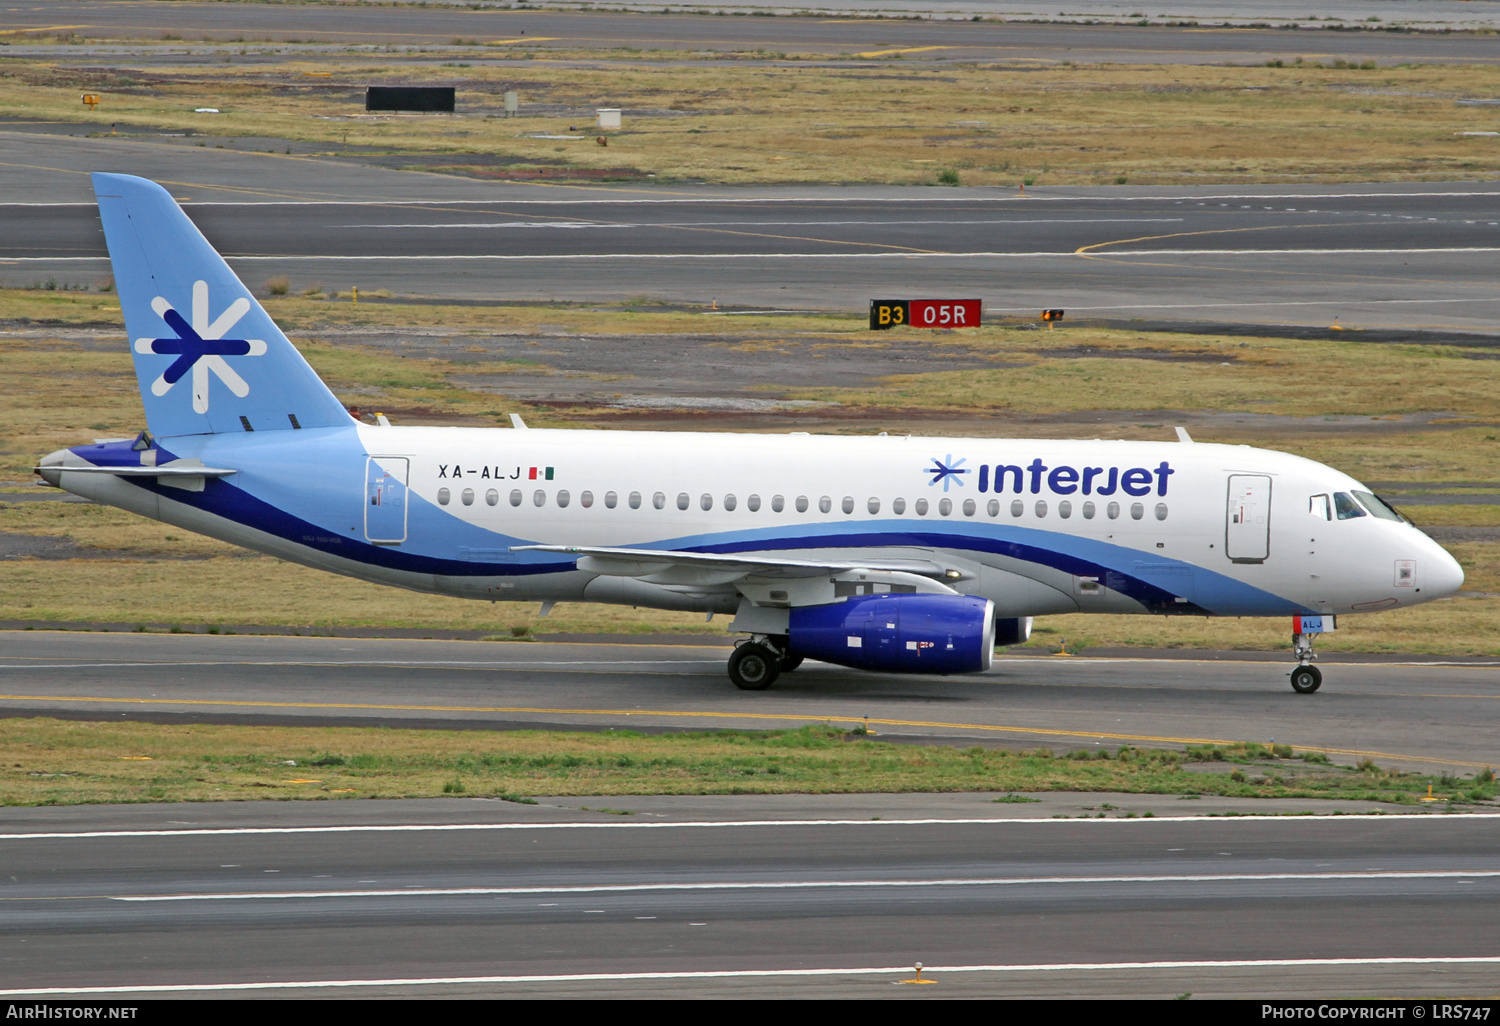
<point>1182,435</point>
<point>516,421</point>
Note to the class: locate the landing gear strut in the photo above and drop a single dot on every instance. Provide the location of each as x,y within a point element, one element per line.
<point>1306,678</point>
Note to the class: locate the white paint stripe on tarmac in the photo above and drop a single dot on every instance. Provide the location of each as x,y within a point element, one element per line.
<point>413,828</point>
<point>807,885</point>
<point>729,974</point>
<point>605,197</point>
<point>903,255</point>
<point>492,665</point>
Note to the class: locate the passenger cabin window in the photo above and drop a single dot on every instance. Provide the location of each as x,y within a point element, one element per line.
<point>993,509</point>
<point>778,503</point>
<point>898,506</point>
<point>921,507</point>
<point>659,500</point>
<point>1112,511</point>
<point>1065,509</point>
<point>945,506</point>
<point>540,498</point>
<point>1017,508</point>
<point>444,496</point>
<point>1320,506</point>
<point>1088,511</point>
<point>562,498</point>
<point>492,497</point>
<point>752,503</point>
<point>730,502</point>
<point>635,500</point>
<point>969,507</point>
<point>684,500</point>
<point>847,505</point>
<point>825,504</point>
<point>468,496</point>
<point>801,504</point>
<point>611,500</point>
<point>873,505</point>
<point>705,502</point>
<point>1346,507</point>
<point>515,496</point>
<point>1041,507</point>
<point>586,499</point>
<point>1137,511</point>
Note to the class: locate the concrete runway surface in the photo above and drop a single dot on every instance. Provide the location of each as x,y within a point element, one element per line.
<point>1390,256</point>
<point>741,897</point>
<point>1407,714</point>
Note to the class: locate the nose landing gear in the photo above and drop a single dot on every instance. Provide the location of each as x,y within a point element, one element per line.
<point>1306,678</point>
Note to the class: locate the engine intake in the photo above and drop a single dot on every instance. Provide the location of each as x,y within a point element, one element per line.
<point>898,633</point>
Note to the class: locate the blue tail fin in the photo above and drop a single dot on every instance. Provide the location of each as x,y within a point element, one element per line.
<point>208,357</point>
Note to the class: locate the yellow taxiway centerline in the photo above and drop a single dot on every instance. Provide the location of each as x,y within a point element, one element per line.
<point>693,714</point>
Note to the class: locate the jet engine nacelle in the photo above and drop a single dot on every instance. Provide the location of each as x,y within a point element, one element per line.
<point>898,633</point>
<point>1012,630</point>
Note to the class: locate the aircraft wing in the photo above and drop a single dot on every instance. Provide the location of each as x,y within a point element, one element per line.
<point>672,566</point>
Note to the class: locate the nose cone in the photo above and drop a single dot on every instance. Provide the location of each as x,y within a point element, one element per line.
<point>1444,575</point>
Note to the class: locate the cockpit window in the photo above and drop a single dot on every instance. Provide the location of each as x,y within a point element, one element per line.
<point>1346,507</point>
<point>1320,507</point>
<point>1377,506</point>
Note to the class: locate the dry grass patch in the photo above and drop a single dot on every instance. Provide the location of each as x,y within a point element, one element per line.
<point>56,762</point>
<point>719,121</point>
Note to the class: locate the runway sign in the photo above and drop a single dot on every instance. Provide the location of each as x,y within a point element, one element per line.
<point>434,99</point>
<point>924,313</point>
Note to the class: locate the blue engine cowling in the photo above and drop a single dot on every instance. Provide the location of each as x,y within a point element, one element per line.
<point>898,633</point>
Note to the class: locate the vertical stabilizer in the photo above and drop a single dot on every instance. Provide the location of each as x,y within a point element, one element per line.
<point>208,357</point>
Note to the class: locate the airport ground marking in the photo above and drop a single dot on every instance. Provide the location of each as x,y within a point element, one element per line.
<point>911,49</point>
<point>39,28</point>
<point>905,255</point>
<point>1259,819</point>
<point>1086,250</point>
<point>729,974</point>
<point>693,198</point>
<point>798,885</point>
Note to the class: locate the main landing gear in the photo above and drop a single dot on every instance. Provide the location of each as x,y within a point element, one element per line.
<point>1306,678</point>
<point>756,662</point>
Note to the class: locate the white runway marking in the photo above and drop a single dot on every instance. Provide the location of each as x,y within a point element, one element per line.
<point>901,255</point>
<point>727,974</point>
<point>605,195</point>
<point>409,828</point>
<point>807,885</point>
<point>534,664</point>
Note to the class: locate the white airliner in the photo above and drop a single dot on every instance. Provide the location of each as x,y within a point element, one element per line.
<point>907,555</point>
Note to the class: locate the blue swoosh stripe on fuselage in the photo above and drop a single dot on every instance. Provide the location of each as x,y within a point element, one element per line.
<point>1211,592</point>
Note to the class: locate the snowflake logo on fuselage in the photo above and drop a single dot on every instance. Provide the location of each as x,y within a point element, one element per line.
<point>947,470</point>
<point>200,347</point>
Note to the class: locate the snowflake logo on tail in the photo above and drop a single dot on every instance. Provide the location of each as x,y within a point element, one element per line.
<point>201,347</point>
<point>947,470</point>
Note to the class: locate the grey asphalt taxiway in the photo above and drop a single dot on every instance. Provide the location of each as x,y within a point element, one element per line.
<point>1390,257</point>
<point>1026,39</point>
<point>1425,716</point>
<point>739,897</point>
